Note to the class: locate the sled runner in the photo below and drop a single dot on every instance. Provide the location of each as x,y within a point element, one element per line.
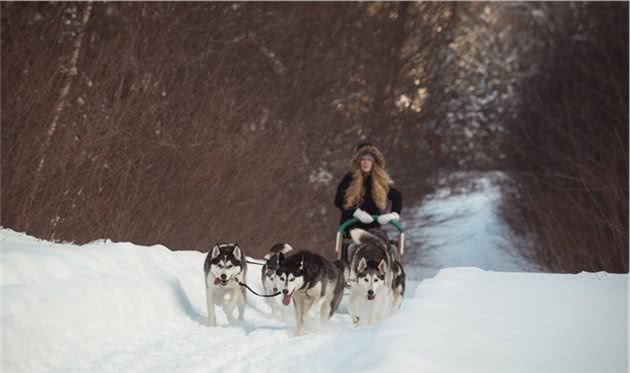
<point>340,240</point>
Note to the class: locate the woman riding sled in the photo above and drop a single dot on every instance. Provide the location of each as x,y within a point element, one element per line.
<point>365,190</point>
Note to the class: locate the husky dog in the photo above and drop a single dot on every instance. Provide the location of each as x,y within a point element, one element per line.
<point>225,267</point>
<point>398,286</point>
<point>269,279</point>
<point>371,277</point>
<point>313,283</point>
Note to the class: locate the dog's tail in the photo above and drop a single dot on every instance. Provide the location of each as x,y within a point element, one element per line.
<point>339,286</point>
<point>279,248</point>
<point>340,265</point>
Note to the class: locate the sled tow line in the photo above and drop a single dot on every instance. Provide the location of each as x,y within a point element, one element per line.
<point>255,293</point>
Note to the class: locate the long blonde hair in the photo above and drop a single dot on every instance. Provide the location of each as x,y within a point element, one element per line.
<point>380,186</point>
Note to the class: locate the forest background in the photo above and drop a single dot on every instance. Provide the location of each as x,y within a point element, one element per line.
<point>185,124</point>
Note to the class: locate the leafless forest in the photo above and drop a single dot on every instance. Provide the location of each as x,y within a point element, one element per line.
<point>184,124</point>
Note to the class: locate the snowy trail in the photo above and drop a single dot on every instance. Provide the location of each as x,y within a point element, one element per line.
<point>119,307</point>
<point>474,236</point>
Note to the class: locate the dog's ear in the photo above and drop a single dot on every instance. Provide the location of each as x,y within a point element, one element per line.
<point>382,266</point>
<point>237,252</point>
<point>305,267</point>
<point>362,265</point>
<point>358,235</point>
<point>274,261</point>
<point>270,262</point>
<point>215,252</point>
<point>286,248</point>
<point>301,269</point>
<point>280,258</point>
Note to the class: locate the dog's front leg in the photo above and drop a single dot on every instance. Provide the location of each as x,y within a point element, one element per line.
<point>273,304</point>
<point>241,305</point>
<point>275,308</point>
<point>298,301</point>
<point>316,307</point>
<point>374,311</point>
<point>229,306</point>
<point>387,305</point>
<point>377,306</point>
<point>396,304</point>
<point>280,311</point>
<point>212,320</point>
<point>390,304</point>
<point>355,307</point>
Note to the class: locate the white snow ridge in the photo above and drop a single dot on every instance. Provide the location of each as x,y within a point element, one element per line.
<point>119,307</point>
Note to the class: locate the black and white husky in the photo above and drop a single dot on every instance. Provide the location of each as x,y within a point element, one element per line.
<point>269,280</point>
<point>314,284</point>
<point>371,277</point>
<point>225,267</point>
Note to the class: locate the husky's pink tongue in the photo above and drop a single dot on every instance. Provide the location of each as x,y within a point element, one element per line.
<point>286,299</point>
<point>217,281</point>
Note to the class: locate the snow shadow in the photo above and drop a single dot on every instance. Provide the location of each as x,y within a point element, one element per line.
<point>184,302</point>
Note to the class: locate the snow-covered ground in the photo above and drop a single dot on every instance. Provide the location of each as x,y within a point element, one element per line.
<point>120,307</point>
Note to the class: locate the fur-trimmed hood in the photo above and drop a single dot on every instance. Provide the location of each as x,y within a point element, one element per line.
<point>368,149</point>
<point>380,180</point>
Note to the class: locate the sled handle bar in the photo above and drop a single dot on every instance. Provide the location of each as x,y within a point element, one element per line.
<point>347,223</point>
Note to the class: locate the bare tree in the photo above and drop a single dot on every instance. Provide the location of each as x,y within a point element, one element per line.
<point>70,71</point>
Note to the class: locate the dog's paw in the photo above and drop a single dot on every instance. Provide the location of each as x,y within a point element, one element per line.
<point>355,320</point>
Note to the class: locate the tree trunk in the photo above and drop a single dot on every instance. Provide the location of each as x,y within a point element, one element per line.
<point>70,71</point>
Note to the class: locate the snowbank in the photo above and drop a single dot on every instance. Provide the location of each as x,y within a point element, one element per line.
<point>119,307</point>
